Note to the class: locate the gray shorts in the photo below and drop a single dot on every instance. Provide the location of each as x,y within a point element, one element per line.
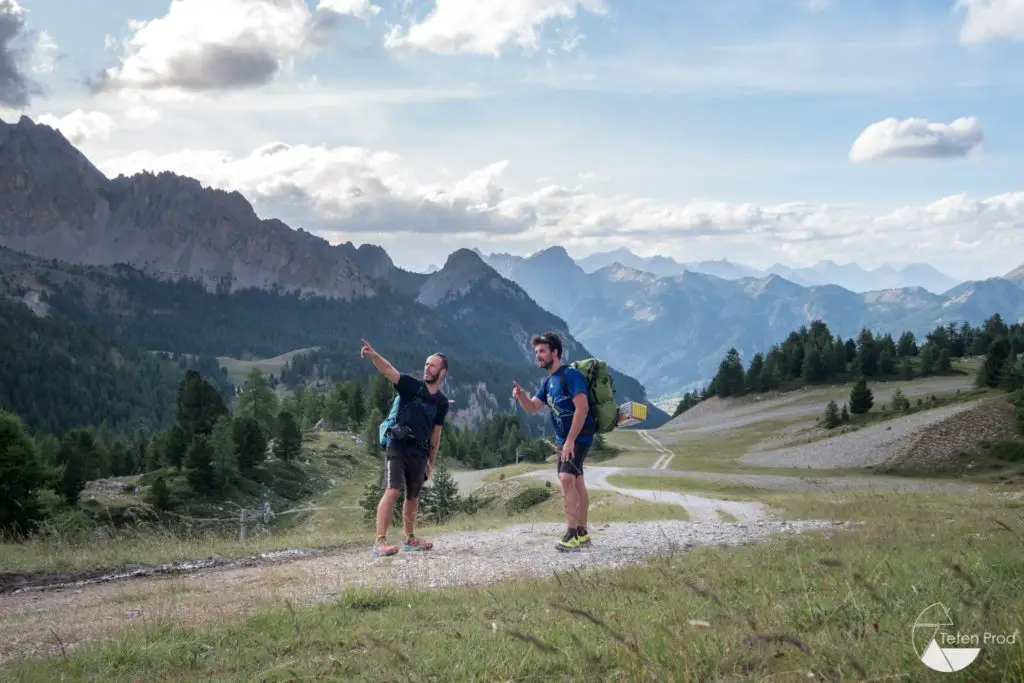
<point>404,470</point>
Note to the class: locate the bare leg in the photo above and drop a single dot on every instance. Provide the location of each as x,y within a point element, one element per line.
<point>409,506</point>
<point>570,499</point>
<point>384,511</point>
<point>584,501</point>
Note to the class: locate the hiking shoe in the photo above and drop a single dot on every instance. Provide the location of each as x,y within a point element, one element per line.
<point>568,542</point>
<point>383,550</point>
<point>583,538</point>
<point>414,543</point>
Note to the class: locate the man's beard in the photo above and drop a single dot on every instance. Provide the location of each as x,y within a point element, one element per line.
<point>547,364</point>
<point>430,379</point>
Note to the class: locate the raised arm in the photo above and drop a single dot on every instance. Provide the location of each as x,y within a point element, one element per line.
<point>530,404</point>
<point>381,363</point>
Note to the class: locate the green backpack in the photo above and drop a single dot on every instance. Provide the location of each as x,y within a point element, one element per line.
<point>600,393</point>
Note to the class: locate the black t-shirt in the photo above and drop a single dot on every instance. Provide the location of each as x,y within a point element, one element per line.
<point>419,410</point>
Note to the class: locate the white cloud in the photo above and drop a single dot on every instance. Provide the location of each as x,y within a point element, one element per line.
<point>917,138</point>
<point>80,126</point>
<point>211,45</point>
<point>989,19</point>
<point>487,26</point>
<point>361,9</point>
<point>44,54</point>
<point>350,193</point>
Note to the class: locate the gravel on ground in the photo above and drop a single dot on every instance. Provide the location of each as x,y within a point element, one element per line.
<point>866,447</point>
<point>48,622</point>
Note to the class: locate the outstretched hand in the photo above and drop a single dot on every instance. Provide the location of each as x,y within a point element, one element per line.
<point>517,391</point>
<point>367,350</point>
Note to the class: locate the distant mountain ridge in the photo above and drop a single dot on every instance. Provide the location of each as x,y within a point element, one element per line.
<point>848,276</point>
<point>56,206</point>
<point>671,332</point>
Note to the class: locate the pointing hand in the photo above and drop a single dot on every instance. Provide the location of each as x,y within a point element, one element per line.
<point>367,350</point>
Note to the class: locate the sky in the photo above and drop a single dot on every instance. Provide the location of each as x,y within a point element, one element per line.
<point>761,131</point>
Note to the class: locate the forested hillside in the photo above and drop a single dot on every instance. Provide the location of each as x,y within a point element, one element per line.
<point>58,374</point>
<point>183,317</point>
<point>813,355</point>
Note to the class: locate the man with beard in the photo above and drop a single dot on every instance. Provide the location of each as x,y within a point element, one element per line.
<point>412,444</point>
<point>565,391</point>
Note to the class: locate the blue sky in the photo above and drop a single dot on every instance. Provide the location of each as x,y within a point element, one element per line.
<point>694,129</point>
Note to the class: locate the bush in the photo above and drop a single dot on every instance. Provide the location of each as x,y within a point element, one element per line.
<point>832,417</point>
<point>526,499</point>
<point>1007,451</point>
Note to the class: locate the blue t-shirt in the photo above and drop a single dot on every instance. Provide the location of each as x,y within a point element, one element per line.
<point>420,411</point>
<point>557,391</point>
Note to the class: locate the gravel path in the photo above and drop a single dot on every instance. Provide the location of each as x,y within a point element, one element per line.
<point>870,446</point>
<point>45,622</point>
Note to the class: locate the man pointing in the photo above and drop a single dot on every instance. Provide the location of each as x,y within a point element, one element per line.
<point>412,444</point>
<point>564,391</point>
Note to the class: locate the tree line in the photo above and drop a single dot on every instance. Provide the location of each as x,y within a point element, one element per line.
<point>812,355</point>
<point>208,449</point>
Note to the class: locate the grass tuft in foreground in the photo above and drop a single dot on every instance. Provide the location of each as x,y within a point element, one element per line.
<point>837,607</point>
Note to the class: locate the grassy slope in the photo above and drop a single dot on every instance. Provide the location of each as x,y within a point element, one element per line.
<point>802,608</point>
<point>238,370</point>
<point>338,468</point>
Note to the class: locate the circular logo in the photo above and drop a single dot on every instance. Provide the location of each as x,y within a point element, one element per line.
<point>938,644</point>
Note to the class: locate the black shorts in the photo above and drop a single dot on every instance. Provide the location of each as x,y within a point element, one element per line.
<point>575,464</point>
<point>404,470</point>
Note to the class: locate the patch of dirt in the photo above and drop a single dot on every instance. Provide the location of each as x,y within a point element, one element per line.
<point>944,445</point>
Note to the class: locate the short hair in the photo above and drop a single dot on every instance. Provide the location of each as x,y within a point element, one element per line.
<point>444,359</point>
<point>552,339</point>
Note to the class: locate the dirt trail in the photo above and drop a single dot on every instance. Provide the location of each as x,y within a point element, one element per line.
<point>44,622</point>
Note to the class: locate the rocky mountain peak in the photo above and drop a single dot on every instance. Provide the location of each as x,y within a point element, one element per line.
<point>54,203</point>
<point>461,271</point>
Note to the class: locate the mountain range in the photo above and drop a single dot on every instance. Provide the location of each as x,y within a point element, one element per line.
<point>671,332</point>
<point>265,288</point>
<point>175,266</point>
<point>848,276</point>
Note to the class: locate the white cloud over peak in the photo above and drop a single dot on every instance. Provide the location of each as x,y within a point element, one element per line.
<point>210,45</point>
<point>488,26</point>
<point>916,138</point>
<point>350,193</point>
<point>989,19</point>
<point>80,126</point>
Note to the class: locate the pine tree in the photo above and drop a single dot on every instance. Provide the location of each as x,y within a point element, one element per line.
<point>288,439</point>
<point>22,476</point>
<point>77,454</point>
<point>371,434</point>
<point>886,364</point>
<point>440,501</point>
<point>906,369</point>
<point>199,463</point>
<point>199,405</point>
<point>250,442</point>
<point>159,495</point>
<point>899,401</point>
<point>832,418</point>
<point>942,365</point>
<point>861,398</point>
<point>844,414</point>
<point>258,401</point>
<point>225,453</point>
